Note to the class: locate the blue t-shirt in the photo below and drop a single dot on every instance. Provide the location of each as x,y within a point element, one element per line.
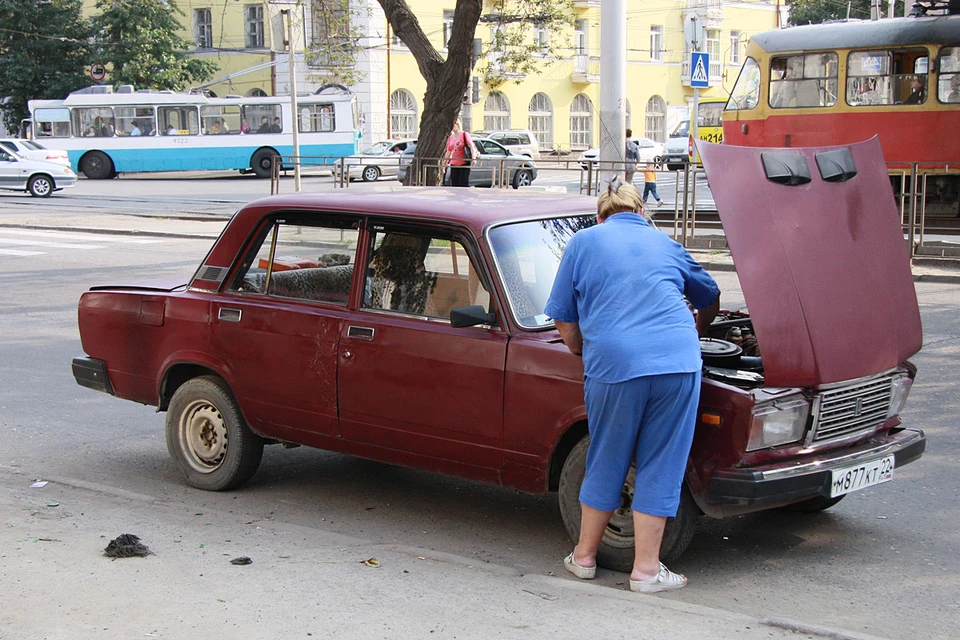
<point>624,283</point>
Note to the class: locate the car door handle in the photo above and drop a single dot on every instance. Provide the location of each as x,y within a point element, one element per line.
<point>361,333</point>
<point>229,315</point>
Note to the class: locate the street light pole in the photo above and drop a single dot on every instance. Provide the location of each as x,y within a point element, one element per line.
<point>293,101</point>
<point>613,82</point>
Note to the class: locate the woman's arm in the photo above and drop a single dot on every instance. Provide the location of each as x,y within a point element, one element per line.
<point>570,332</point>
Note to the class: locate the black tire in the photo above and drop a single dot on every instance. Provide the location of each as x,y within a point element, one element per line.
<point>261,163</point>
<point>370,173</point>
<point>813,505</point>
<point>41,186</point>
<point>616,549</point>
<point>207,437</point>
<point>522,178</point>
<point>97,165</point>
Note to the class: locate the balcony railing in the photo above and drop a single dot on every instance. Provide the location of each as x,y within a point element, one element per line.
<point>586,68</point>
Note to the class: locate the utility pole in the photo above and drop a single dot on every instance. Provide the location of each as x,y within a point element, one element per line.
<point>613,83</point>
<point>294,111</point>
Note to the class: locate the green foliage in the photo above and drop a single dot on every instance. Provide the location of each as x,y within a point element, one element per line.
<point>43,50</point>
<point>336,41</point>
<point>817,11</point>
<point>525,33</point>
<point>137,40</point>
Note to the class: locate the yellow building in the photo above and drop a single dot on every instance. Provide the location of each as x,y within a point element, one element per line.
<point>560,104</point>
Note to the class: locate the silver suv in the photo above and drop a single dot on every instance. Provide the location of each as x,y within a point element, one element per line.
<point>521,142</point>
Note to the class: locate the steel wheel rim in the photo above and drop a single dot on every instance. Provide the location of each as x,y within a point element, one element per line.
<point>619,531</point>
<point>203,436</point>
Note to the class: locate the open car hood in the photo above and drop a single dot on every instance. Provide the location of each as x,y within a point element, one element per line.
<point>823,264</point>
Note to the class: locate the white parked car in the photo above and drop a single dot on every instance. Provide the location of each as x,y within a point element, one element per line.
<point>650,151</point>
<point>38,177</point>
<point>34,150</point>
<point>382,159</point>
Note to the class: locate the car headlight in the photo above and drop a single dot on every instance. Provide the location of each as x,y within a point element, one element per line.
<point>899,390</point>
<point>779,422</point>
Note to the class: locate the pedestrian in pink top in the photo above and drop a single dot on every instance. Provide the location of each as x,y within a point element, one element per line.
<point>460,152</point>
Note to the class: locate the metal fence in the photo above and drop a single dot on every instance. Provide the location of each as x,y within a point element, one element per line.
<point>927,194</point>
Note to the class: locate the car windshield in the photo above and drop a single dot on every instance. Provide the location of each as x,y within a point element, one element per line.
<point>527,255</point>
<point>376,149</point>
<point>682,130</point>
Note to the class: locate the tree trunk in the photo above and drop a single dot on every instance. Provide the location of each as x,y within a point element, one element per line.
<point>447,80</point>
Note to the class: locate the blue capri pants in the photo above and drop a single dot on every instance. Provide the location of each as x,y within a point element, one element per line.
<point>650,421</point>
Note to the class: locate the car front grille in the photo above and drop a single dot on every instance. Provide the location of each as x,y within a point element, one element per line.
<point>847,411</point>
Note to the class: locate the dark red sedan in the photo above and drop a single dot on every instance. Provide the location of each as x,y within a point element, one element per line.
<point>408,327</point>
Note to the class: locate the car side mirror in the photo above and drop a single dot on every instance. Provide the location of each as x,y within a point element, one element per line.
<point>471,316</point>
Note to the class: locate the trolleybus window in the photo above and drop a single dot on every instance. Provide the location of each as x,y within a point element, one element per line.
<point>886,77</point>
<point>179,121</point>
<point>221,119</point>
<point>142,116</point>
<point>316,117</point>
<point>52,123</point>
<point>804,80</point>
<point>948,87</point>
<point>95,122</point>
<point>260,117</point>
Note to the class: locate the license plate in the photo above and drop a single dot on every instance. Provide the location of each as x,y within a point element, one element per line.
<point>860,476</point>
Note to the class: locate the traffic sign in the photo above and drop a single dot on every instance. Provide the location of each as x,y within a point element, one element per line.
<point>97,71</point>
<point>699,69</point>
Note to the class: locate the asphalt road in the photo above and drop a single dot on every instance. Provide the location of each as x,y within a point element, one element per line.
<point>884,561</point>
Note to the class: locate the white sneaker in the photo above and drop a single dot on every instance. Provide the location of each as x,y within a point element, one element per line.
<point>665,580</point>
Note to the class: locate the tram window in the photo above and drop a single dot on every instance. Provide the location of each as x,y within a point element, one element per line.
<point>948,85</point>
<point>746,92</point>
<point>804,80</point>
<point>886,77</point>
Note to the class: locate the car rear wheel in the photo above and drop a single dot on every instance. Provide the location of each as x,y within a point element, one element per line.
<point>40,186</point>
<point>97,165</point>
<point>616,548</point>
<point>523,178</point>
<point>370,173</point>
<point>208,438</point>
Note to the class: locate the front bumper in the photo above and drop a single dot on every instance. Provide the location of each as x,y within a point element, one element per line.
<point>808,478</point>
<point>92,374</point>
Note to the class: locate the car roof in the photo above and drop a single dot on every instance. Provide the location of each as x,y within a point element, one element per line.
<point>473,208</point>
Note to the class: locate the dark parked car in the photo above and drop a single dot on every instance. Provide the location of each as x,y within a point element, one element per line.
<point>411,330</point>
<point>496,165</point>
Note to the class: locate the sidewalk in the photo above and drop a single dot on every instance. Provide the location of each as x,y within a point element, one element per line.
<point>303,581</point>
<point>210,226</point>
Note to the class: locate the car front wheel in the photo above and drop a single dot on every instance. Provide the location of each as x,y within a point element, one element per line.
<point>208,438</point>
<point>40,186</point>
<point>616,548</point>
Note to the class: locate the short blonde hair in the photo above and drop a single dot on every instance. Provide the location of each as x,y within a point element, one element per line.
<point>618,197</point>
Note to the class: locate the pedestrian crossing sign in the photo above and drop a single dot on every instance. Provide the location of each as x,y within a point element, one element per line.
<point>699,69</point>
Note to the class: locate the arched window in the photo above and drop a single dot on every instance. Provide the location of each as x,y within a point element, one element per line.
<point>656,119</point>
<point>496,112</point>
<point>403,114</point>
<point>540,120</point>
<point>256,92</point>
<point>581,123</point>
